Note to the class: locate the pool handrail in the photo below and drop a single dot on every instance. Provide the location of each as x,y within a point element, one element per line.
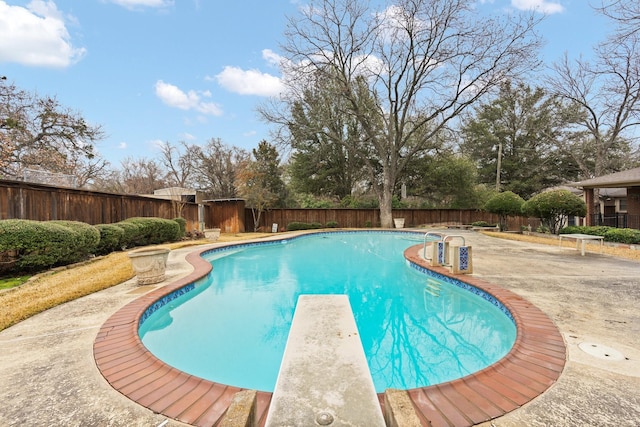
<point>427,234</point>
<point>444,239</point>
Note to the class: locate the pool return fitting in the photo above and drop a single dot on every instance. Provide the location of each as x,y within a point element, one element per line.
<point>457,257</point>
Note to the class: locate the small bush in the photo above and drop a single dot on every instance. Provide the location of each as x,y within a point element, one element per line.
<point>111,238</point>
<point>38,245</point>
<point>367,224</point>
<point>332,224</point>
<point>610,234</point>
<point>504,204</point>
<point>599,230</point>
<point>183,226</point>
<point>553,207</point>
<point>623,235</point>
<point>294,226</point>
<point>480,224</point>
<point>132,234</point>
<point>154,230</point>
<point>85,240</point>
<point>543,229</point>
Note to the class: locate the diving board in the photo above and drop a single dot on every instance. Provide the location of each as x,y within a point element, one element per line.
<point>324,378</point>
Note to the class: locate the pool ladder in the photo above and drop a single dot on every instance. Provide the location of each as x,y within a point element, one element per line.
<point>432,287</point>
<point>444,240</point>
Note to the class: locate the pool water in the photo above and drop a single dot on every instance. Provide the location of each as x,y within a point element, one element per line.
<point>415,330</point>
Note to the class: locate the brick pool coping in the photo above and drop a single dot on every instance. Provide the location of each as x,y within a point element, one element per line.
<point>534,363</point>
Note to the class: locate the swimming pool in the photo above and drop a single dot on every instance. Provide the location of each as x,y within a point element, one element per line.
<point>416,329</point>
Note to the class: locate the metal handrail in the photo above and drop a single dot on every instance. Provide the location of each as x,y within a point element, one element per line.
<point>427,234</point>
<point>453,236</point>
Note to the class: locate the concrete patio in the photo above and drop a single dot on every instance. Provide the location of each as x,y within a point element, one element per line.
<point>48,375</point>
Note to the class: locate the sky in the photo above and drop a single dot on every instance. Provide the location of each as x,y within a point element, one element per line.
<point>154,71</point>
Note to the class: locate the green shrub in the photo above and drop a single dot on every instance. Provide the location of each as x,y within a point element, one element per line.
<point>332,224</point>
<point>132,234</point>
<point>294,226</point>
<point>38,244</point>
<point>610,234</point>
<point>599,230</point>
<point>573,229</point>
<point>111,238</point>
<point>623,235</point>
<point>553,207</point>
<point>154,230</point>
<point>480,224</point>
<point>85,240</point>
<point>367,224</point>
<point>183,226</point>
<point>504,204</point>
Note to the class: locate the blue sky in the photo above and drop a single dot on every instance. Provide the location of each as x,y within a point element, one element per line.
<point>151,71</point>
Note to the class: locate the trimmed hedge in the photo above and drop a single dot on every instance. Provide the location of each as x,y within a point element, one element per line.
<point>610,234</point>
<point>294,226</point>
<point>182,223</point>
<point>38,245</point>
<point>111,238</point>
<point>142,231</point>
<point>27,245</point>
<point>85,240</point>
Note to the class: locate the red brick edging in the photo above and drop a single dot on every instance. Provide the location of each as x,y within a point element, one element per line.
<point>534,363</point>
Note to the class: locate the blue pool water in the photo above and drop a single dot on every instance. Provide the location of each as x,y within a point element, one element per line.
<point>416,331</point>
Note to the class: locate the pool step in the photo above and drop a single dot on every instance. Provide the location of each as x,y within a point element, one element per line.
<point>324,378</point>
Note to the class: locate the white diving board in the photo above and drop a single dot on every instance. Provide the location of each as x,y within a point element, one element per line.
<point>324,378</point>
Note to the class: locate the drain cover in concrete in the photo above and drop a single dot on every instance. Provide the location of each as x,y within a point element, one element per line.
<point>600,351</point>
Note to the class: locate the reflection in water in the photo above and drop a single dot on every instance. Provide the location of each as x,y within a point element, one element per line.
<point>415,330</point>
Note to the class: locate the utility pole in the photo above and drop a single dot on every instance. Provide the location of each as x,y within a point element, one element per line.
<point>499,166</point>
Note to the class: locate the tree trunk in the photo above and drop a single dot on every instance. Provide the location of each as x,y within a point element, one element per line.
<point>386,215</point>
<point>256,218</point>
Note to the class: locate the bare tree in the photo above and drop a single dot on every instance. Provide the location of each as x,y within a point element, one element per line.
<point>135,176</point>
<point>405,72</point>
<point>180,163</point>
<point>625,13</point>
<point>217,167</point>
<point>37,132</point>
<point>606,96</point>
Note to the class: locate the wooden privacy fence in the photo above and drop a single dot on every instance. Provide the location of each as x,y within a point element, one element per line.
<point>361,218</point>
<point>23,200</point>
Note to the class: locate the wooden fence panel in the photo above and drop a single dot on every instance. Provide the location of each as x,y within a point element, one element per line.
<point>363,218</point>
<point>21,200</point>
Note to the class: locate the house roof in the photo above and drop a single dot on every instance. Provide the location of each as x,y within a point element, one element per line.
<point>628,178</point>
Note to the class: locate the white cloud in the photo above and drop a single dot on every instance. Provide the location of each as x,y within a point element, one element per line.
<point>36,35</point>
<point>135,4</point>
<point>272,58</point>
<point>188,137</point>
<point>173,96</point>
<point>249,82</point>
<point>122,146</point>
<point>544,6</point>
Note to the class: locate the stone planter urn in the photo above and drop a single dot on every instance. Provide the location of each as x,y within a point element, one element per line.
<point>149,264</point>
<point>212,234</point>
<point>398,222</point>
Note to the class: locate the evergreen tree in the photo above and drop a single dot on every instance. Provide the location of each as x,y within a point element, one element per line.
<point>514,140</point>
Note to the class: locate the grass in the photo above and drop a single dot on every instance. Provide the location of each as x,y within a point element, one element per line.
<point>50,289</point>
<point>58,286</point>
<point>12,282</point>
